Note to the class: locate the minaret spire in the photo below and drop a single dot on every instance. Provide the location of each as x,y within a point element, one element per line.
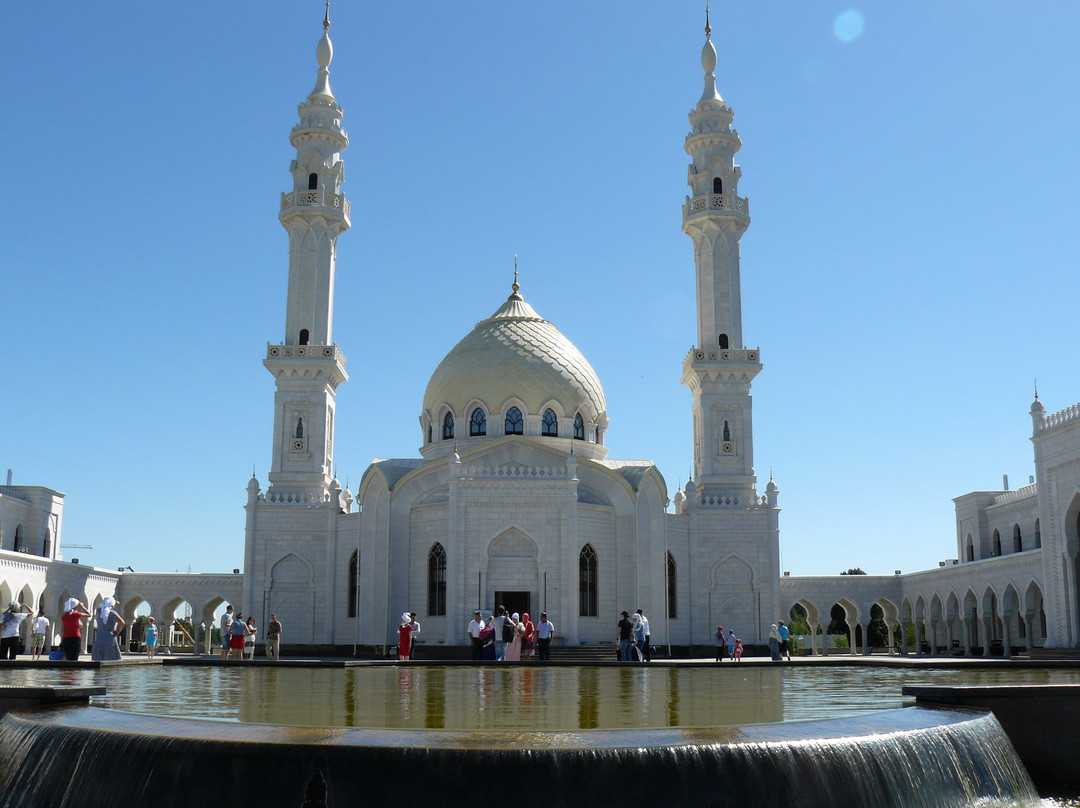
<point>719,369</point>
<point>307,365</point>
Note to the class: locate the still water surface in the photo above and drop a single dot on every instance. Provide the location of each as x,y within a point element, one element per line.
<point>512,697</point>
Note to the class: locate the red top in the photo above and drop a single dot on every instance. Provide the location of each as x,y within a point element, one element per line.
<point>72,624</point>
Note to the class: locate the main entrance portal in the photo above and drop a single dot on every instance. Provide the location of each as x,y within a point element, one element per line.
<point>514,602</point>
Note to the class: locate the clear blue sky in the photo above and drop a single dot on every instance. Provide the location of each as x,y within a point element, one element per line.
<point>909,270</point>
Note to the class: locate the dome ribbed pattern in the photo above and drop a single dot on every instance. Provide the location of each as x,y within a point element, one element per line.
<point>515,353</point>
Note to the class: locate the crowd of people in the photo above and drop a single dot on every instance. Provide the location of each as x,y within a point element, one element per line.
<point>238,635</point>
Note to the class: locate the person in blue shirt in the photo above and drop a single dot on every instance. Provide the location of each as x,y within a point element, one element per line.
<point>784,632</point>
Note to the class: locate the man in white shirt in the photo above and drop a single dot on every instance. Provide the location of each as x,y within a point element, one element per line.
<point>646,651</point>
<point>544,632</point>
<point>41,631</point>
<point>226,631</point>
<point>476,625</point>
<point>9,633</point>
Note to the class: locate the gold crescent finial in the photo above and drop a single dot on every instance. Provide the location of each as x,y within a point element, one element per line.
<point>515,287</point>
<point>708,28</point>
<point>326,19</point>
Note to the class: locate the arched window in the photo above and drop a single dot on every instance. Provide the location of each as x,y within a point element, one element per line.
<point>448,426</point>
<point>299,428</point>
<point>587,580</point>
<point>515,425</point>
<point>313,182</point>
<point>995,550</point>
<point>47,545</point>
<point>304,336</point>
<point>717,185</point>
<point>579,427</point>
<point>18,537</point>
<point>478,423</point>
<point>429,433</point>
<point>1038,535</point>
<point>549,427</point>
<point>354,580</point>
<point>1018,540</point>
<point>970,549</point>
<point>723,340</point>
<point>436,580</point>
<point>672,588</point>
<point>727,431</point>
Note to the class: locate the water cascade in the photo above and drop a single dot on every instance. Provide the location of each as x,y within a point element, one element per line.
<point>907,758</point>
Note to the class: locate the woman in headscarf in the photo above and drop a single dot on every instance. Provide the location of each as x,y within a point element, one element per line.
<point>774,642</point>
<point>528,637</point>
<point>109,624</point>
<point>71,636</point>
<point>513,648</point>
<point>404,642</point>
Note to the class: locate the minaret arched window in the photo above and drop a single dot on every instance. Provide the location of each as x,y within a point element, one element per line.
<point>448,426</point>
<point>299,427</point>
<point>996,548</point>
<point>579,427</point>
<point>717,185</point>
<point>436,580</point>
<point>1038,535</point>
<point>587,581</point>
<point>429,433</point>
<point>313,182</point>
<point>478,423</point>
<point>515,424</point>
<point>672,588</point>
<point>47,544</point>
<point>305,336</point>
<point>549,427</point>
<point>18,537</point>
<point>970,549</point>
<point>723,340</point>
<point>1018,540</point>
<point>727,431</point>
<point>354,581</point>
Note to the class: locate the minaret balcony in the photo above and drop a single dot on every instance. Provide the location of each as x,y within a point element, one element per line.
<point>307,362</point>
<point>319,198</point>
<point>706,205</point>
<point>720,364</point>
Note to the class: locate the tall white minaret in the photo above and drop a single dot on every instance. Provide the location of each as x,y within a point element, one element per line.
<point>720,369</point>
<point>307,365</point>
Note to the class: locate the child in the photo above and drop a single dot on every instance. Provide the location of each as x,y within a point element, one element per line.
<point>731,643</point>
<point>738,650</point>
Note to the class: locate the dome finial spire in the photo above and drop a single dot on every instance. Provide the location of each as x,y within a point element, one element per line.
<point>326,19</point>
<point>515,286</point>
<point>708,28</point>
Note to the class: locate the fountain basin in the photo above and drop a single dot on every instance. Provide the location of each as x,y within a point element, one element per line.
<point>88,756</point>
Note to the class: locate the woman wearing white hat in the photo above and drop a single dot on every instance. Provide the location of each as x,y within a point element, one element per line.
<point>404,643</point>
<point>109,624</point>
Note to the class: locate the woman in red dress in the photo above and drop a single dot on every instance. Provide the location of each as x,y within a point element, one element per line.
<point>404,643</point>
<point>71,620</point>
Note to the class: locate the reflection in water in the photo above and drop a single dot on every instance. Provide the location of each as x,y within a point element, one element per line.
<point>512,697</point>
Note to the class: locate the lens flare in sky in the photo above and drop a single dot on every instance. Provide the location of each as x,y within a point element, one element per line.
<point>848,26</point>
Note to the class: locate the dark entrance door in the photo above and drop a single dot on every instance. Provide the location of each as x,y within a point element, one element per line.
<point>514,602</point>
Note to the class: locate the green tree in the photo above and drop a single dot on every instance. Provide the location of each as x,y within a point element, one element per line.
<point>854,571</point>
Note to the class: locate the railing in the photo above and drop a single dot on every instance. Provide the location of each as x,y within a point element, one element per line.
<point>714,202</point>
<point>514,472</point>
<point>316,198</point>
<point>1065,416</point>
<point>724,355</point>
<point>296,497</point>
<point>1019,493</point>
<point>730,501</point>
<point>305,352</point>
<point>14,493</point>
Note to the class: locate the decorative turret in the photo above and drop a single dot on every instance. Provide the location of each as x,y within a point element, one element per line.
<point>307,365</point>
<point>720,368</point>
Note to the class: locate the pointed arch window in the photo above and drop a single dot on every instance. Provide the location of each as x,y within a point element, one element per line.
<point>448,426</point>
<point>1018,540</point>
<point>1038,535</point>
<point>587,582</point>
<point>995,550</point>
<point>672,588</point>
<point>429,433</point>
<point>313,182</point>
<point>436,576</point>
<point>723,340</point>
<point>549,427</point>
<point>354,582</point>
<point>478,423</point>
<point>970,549</point>
<point>18,537</point>
<point>579,427</point>
<point>727,431</point>
<point>717,185</point>
<point>515,424</point>
<point>299,427</point>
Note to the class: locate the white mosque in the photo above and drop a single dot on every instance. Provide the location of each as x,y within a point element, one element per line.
<point>514,499</point>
